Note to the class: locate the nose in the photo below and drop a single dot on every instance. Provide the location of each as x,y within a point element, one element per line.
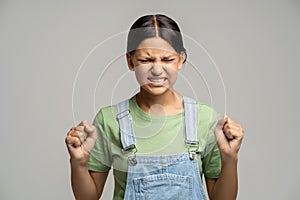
<point>156,69</point>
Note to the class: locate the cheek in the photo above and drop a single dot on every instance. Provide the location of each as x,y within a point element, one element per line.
<point>173,77</point>
<point>172,72</point>
<point>141,75</point>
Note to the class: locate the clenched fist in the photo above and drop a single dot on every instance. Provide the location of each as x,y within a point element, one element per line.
<point>229,135</point>
<point>80,142</point>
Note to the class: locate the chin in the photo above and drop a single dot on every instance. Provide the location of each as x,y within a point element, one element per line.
<point>156,91</point>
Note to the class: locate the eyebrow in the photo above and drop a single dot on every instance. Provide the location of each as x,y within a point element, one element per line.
<point>168,56</point>
<point>164,56</point>
<point>148,55</point>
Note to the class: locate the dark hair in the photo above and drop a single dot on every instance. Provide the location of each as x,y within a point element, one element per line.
<point>155,26</point>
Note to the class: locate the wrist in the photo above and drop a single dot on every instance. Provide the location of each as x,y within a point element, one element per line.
<point>229,159</point>
<point>75,163</point>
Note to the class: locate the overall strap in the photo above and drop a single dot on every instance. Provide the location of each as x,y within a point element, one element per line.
<point>191,124</point>
<point>191,121</point>
<point>126,128</point>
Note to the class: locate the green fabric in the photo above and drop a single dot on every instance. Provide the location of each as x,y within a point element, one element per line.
<point>155,135</point>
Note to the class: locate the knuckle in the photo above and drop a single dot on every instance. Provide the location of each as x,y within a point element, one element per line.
<point>93,128</point>
<point>225,125</point>
<point>77,141</point>
<point>68,139</point>
<point>74,134</point>
<point>80,128</point>
<point>227,129</point>
<point>229,125</point>
<point>85,122</point>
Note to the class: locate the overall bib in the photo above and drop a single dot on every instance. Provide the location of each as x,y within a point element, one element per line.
<point>166,176</point>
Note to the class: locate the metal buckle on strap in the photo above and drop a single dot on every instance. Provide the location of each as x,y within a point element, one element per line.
<point>132,158</point>
<point>130,147</point>
<point>192,148</point>
<point>193,143</point>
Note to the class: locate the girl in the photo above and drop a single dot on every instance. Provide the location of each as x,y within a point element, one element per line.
<point>158,141</point>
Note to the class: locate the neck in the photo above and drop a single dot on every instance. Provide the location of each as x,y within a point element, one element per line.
<point>165,104</point>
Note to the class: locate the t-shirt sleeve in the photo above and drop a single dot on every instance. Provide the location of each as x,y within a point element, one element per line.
<point>212,160</point>
<point>100,157</point>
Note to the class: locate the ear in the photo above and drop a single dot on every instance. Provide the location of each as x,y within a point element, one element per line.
<point>129,61</point>
<point>181,60</point>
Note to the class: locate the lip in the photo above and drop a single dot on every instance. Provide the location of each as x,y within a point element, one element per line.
<point>157,81</point>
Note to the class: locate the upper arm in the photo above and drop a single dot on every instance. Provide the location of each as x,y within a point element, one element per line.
<point>210,184</point>
<point>99,179</point>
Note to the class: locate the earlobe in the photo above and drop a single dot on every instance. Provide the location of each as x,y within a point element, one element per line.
<point>129,61</point>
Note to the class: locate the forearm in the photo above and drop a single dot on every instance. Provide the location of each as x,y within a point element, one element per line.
<point>83,184</point>
<point>226,187</point>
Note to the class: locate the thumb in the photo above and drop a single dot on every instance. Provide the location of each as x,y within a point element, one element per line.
<point>91,131</point>
<point>221,123</point>
<point>219,135</point>
<point>91,139</point>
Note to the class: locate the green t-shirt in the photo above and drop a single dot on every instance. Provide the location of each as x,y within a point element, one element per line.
<point>155,135</point>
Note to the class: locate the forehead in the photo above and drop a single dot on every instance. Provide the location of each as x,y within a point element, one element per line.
<point>155,45</point>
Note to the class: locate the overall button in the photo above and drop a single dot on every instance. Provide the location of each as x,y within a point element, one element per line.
<point>133,160</point>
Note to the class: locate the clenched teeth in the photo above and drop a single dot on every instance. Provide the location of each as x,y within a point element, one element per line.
<point>157,80</point>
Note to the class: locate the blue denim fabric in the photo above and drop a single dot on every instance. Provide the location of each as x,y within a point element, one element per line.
<point>162,177</point>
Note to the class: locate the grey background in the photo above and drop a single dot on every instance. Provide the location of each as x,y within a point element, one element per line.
<point>255,45</point>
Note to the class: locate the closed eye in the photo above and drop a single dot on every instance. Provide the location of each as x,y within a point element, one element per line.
<point>168,60</point>
<point>145,60</point>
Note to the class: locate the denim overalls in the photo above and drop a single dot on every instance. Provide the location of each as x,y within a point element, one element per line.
<point>166,176</point>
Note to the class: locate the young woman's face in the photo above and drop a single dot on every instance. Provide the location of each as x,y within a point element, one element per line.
<point>156,65</point>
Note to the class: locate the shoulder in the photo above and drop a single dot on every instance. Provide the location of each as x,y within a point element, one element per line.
<point>207,112</point>
<point>108,115</point>
<point>106,119</point>
<point>107,125</point>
